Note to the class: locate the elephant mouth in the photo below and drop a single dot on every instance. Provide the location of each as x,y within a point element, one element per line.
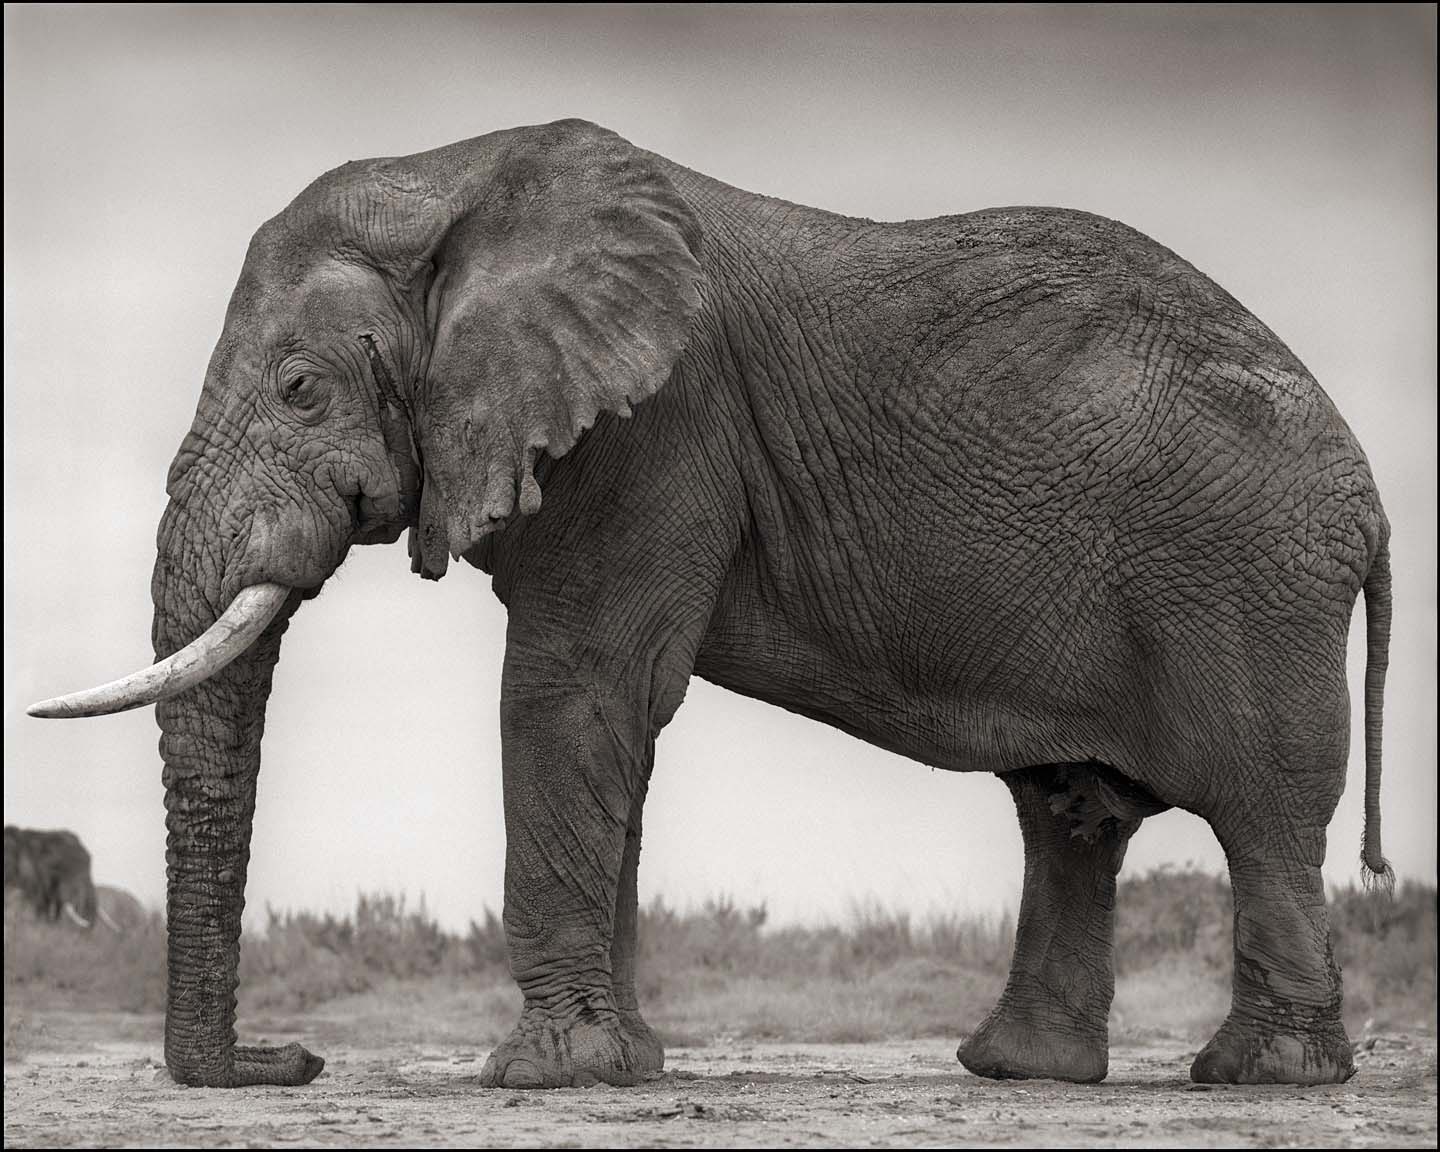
<point>382,522</point>
<point>237,628</point>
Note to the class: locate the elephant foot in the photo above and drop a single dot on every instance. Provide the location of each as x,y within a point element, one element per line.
<point>1244,1053</point>
<point>1007,1048</point>
<point>289,1066</point>
<point>545,1051</point>
<point>649,1052</point>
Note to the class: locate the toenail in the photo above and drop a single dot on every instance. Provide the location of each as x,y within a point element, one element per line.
<point>521,1074</point>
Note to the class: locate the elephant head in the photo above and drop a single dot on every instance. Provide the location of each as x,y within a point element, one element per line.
<point>52,870</point>
<point>407,340</point>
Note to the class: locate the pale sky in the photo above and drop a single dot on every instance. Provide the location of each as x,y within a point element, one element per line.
<point>1288,153</point>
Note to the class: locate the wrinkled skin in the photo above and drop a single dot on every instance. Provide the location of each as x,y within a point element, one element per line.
<point>52,870</point>
<point>1018,491</point>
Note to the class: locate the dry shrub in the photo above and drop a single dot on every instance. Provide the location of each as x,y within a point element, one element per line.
<point>1168,913</point>
<point>305,959</point>
<point>1386,949</point>
<point>721,971</point>
<point>55,963</point>
<point>1173,940</point>
<point>724,970</point>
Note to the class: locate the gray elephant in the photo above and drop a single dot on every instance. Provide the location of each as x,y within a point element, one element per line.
<point>52,871</point>
<point>1018,491</point>
<point>119,910</point>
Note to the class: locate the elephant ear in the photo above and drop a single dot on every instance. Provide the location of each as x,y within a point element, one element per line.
<point>566,288</point>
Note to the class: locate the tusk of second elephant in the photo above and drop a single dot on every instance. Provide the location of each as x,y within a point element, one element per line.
<point>248,615</point>
<point>109,922</point>
<point>70,912</point>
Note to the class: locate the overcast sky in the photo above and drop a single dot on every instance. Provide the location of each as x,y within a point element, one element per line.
<point>1288,153</point>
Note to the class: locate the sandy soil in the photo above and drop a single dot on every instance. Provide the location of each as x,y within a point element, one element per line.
<point>97,1080</point>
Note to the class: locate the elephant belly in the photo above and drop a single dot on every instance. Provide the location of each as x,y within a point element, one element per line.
<point>921,711</point>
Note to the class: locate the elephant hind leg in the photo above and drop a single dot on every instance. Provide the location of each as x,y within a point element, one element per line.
<point>1052,1020</point>
<point>1285,1024</point>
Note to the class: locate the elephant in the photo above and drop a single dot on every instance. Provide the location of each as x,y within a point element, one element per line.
<point>1017,491</point>
<point>119,910</point>
<point>52,871</point>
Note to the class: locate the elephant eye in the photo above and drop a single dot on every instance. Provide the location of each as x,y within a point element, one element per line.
<point>297,391</point>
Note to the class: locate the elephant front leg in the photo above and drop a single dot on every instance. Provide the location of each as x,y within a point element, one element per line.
<point>624,946</point>
<point>1052,1019</point>
<point>573,765</point>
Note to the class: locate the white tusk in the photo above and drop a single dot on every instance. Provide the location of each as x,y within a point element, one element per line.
<point>108,922</point>
<point>75,916</point>
<point>248,615</point>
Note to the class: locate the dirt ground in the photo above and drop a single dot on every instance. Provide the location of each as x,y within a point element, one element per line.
<point>97,1080</point>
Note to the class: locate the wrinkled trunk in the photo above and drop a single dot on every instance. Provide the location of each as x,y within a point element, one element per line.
<point>210,744</point>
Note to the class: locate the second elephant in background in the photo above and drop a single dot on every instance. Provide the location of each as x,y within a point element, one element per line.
<point>52,870</point>
<point>120,910</point>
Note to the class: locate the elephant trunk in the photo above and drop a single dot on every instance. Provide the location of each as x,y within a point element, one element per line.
<point>210,745</point>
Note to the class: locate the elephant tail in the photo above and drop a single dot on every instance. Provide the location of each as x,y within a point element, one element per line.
<point>1377,869</point>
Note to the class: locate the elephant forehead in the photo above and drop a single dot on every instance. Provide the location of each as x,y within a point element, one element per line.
<point>267,320</point>
<point>368,208</point>
<point>308,290</point>
<point>280,252</point>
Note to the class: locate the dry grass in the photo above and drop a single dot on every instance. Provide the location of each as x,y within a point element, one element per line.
<point>60,964</point>
<point>722,970</point>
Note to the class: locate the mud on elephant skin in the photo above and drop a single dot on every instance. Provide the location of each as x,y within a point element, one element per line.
<point>1018,491</point>
<point>51,869</point>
